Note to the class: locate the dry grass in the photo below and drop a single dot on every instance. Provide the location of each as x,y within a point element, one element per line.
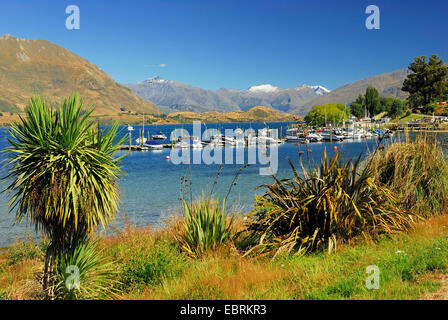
<point>21,281</point>
<point>417,171</point>
<point>220,276</point>
<point>440,294</point>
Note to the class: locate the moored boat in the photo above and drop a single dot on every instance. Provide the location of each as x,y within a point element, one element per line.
<point>159,136</point>
<point>153,145</point>
<point>332,135</point>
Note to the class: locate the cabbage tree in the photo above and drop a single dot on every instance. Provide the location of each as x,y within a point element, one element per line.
<point>62,174</point>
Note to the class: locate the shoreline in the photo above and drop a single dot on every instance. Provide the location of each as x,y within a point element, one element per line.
<point>7,125</point>
<point>234,277</point>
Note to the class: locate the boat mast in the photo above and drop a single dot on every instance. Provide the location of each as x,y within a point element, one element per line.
<point>325,116</point>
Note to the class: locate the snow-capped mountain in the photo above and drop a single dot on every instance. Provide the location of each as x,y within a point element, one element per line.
<point>175,96</point>
<point>320,91</point>
<point>157,80</point>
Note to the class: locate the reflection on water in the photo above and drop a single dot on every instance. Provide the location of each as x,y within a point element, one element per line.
<point>151,186</point>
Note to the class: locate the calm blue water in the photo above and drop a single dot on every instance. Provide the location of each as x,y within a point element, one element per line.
<point>150,188</point>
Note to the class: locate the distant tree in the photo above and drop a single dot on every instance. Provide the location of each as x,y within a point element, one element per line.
<point>387,103</point>
<point>371,104</point>
<point>428,82</point>
<point>397,108</point>
<point>372,101</point>
<point>331,113</point>
<point>357,107</point>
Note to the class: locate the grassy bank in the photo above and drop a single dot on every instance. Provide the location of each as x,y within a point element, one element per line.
<point>152,267</point>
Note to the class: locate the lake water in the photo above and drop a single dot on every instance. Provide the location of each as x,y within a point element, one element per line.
<point>150,188</point>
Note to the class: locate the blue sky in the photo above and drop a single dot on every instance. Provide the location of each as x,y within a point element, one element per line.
<point>235,44</point>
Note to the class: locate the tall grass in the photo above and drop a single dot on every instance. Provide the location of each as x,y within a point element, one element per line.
<point>335,201</point>
<point>206,226</point>
<point>417,171</point>
<point>23,250</point>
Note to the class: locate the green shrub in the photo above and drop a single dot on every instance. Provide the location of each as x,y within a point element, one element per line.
<point>418,172</point>
<point>333,202</point>
<point>206,226</point>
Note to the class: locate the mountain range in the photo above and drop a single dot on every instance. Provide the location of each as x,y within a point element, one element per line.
<point>172,96</point>
<point>30,67</point>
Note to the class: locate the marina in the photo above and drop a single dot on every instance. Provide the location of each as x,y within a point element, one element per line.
<point>263,136</point>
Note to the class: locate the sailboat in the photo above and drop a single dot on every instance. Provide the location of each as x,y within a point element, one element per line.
<point>143,141</point>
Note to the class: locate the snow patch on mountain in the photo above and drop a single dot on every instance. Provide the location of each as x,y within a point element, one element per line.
<point>320,90</point>
<point>156,80</point>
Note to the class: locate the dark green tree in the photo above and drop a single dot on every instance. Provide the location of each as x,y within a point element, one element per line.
<point>428,82</point>
<point>387,103</point>
<point>372,101</point>
<point>357,107</point>
<point>397,108</point>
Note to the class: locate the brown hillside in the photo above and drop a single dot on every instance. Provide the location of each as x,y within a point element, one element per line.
<point>30,67</point>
